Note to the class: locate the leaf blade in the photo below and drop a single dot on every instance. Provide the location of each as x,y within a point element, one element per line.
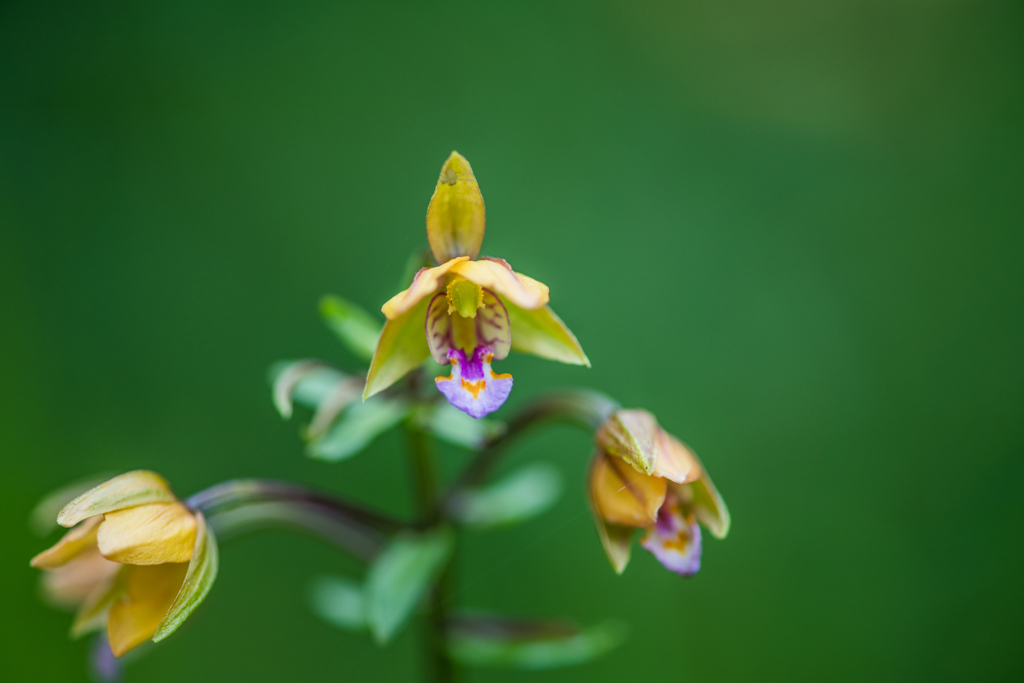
<point>401,576</point>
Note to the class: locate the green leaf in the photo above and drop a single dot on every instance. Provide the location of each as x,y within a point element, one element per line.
<point>357,329</point>
<point>450,424</point>
<point>519,496</point>
<point>202,570</point>
<point>521,649</point>
<point>358,426</point>
<point>401,576</point>
<point>338,601</point>
<point>307,382</point>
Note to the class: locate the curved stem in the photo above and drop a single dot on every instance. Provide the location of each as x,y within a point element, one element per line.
<point>238,492</point>
<point>580,408</point>
<point>363,543</point>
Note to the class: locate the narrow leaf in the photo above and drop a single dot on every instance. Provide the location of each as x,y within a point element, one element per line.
<point>338,601</point>
<point>357,329</point>
<point>359,425</point>
<point>521,495</point>
<point>401,576</point>
<point>450,424</point>
<point>307,382</point>
<point>202,570</point>
<point>520,651</point>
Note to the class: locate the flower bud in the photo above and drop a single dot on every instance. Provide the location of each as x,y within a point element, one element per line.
<point>455,216</point>
<point>631,435</point>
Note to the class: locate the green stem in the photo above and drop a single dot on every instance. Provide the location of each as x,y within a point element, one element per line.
<point>425,478</point>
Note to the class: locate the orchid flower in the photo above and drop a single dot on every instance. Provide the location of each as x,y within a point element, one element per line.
<point>642,477</point>
<point>466,312</point>
<point>135,558</point>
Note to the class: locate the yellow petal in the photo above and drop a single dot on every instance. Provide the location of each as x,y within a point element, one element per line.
<point>624,496</point>
<point>455,216</point>
<point>71,584</point>
<point>402,346</point>
<point>616,540</point>
<point>426,283</point>
<point>148,594</point>
<point>79,539</point>
<point>148,534</point>
<point>631,435</point>
<point>675,461</point>
<point>134,488</point>
<point>498,276</point>
<point>542,333</point>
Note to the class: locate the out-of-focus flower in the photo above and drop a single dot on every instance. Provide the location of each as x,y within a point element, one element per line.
<point>136,557</point>
<point>642,477</point>
<point>465,312</point>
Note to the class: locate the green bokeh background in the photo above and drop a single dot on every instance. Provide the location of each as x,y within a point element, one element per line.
<point>793,230</point>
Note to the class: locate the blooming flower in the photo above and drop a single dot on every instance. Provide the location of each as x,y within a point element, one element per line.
<point>465,312</point>
<point>642,477</point>
<point>135,557</point>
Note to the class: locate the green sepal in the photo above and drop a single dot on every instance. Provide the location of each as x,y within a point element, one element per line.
<point>140,487</point>
<point>339,602</point>
<point>525,493</point>
<point>542,333</point>
<point>703,500</point>
<point>401,576</point>
<point>357,329</point>
<point>202,571</point>
<point>402,347</point>
<point>358,426</point>
<point>43,518</point>
<point>528,646</point>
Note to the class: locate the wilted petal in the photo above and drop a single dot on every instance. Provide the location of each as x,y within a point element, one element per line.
<point>497,275</point>
<point>455,215</point>
<point>424,284</point>
<point>675,461</point>
<point>130,489</point>
<point>542,333</point>
<point>402,347</point>
<point>621,495</point>
<point>473,387</point>
<point>148,534</point>
<point>674,540</point>
<point>631,435</point>
<point>79,539</point>
<point>148,593</point>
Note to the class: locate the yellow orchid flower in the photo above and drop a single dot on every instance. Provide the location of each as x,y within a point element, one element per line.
<point>466,312</point>
<point>135,557</point>
<point>642,477</point>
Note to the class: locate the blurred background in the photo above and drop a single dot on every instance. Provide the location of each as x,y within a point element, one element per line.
<point>792,230</point>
